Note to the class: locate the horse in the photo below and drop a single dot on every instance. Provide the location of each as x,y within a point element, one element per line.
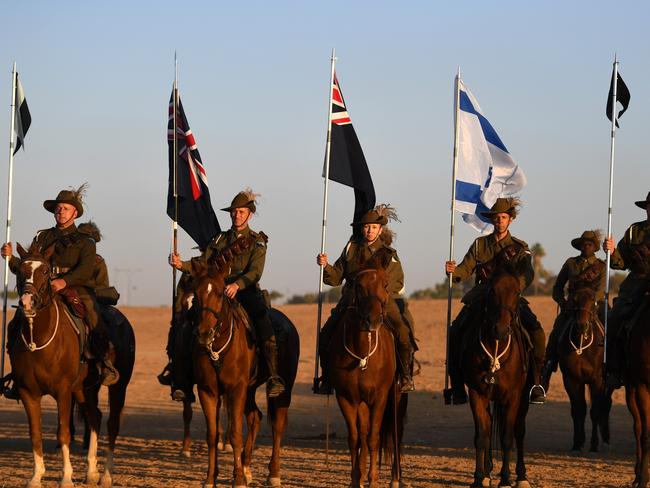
<point>226,363</point>
<point>581,354</point>
<point>495,365</point>
<point>363,374</point>
<point>47,360</point>
<point>637,377</point>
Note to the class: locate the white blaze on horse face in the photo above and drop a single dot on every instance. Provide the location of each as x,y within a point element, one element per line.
<point>33,266</point>
<point>188,301</point>
<point>209,288</point>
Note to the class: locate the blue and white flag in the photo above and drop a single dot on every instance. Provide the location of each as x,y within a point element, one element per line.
<point>486,171</point>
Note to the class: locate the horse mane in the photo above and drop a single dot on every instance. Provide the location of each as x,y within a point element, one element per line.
<point>381,259</point>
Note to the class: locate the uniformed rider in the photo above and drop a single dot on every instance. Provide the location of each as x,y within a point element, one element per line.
<point>588,244</point>
<point>484,248</point>
<point>630,294</point>
<point>242,282</point>
<point>374,236</point>
<point>72,268</point>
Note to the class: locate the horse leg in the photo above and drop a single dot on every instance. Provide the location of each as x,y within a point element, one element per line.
<point>64,405</point>
<point>374,438</point>
<point>363,426</point>
<point>253,419</point>
<point>596,414</point>
<point>349,411</point>
<point>187,420</point>
<point>116,398</point>
<point>576,392</point>
<point>507,422</point>
<point>279,425</point>
<point>603,421</point>
<point>643,401</point>
<point>87,400</point>
<point>630,398</point>
<point>33,410</point>
<point>236,402</point>
<point>208,399</point>
<point>520,434</point>
<point>482,426</point>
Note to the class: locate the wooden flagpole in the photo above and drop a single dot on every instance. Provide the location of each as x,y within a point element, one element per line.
<point>175,149</point>
<point>450,278</point>
<point>324,226</point>
<point>14,82</point>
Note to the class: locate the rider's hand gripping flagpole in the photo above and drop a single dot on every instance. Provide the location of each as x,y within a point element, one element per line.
<point>8,231</point>
<point>611,192</point>
<point>324,226</point>
<point>450,282</point>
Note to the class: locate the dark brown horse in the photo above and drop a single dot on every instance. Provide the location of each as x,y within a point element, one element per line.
<point>581,355</point>
<point>363,373</point>
<point>495,365</point>
<point>226,363</point>
<point>637,377</point>
<point>46,359</point>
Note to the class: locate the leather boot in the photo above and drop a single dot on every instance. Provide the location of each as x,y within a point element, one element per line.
<point>165,377</point>
<point>537,394</point>
<point>550,367</point>
<point>110,374</point>
<point>324,387</point>
<point>10,392</point>
<point>275,384</point>
<point>406,365</point>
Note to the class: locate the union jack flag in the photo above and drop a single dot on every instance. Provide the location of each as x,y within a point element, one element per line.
<point>194,211</point>
<point>347,163</point>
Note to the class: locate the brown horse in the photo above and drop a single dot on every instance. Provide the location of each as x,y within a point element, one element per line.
<point>226,363</point>
<point>363,373</point>
<point>495,366</point>
<point>46,360</point>
<point>581,355</point>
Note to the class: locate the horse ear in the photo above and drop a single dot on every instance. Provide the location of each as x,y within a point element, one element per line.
<point>21,250</point>
<point>47,254</point>
<point>380,260</point>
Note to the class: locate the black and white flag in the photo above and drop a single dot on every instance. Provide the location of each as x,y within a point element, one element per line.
<point>622,96</point>
<point>23,118</point>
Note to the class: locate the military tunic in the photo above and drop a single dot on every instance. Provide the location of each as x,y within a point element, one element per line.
<point>570,271</point>
<point>621,259</point>
<point>100,275</point>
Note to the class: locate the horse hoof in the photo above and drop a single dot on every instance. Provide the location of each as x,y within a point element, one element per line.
<point>248,475</point>
<point>486,483</point>
<point>219,446</point>
<point>522,484</point>
<point>186,453</point>
<point>227,447</point>
<point>275,482</point>
<point>92,478</point>
<point>66,484</point>
<point>605,448</point>
<point>106,481</point>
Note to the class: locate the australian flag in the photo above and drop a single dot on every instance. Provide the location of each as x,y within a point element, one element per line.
<point>194,213</point>
<point>347,162</point>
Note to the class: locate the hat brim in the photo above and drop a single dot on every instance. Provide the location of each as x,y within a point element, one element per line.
<point>642,204</point>
<point>250,206</point>
<point>577,243</point>
<point>490,213</point>
<point>50,206</point>
<point>382,221</point>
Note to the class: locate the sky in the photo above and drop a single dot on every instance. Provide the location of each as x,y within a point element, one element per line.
<point>253,78</point>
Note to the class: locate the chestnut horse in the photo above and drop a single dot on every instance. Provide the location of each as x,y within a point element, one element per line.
<point>363,373</point>
<point>46,360</point>
<point>495,364</point>
<point>581,354</point>
<point>227,364</point>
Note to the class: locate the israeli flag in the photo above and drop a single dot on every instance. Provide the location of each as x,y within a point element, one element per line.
<point>485,171</point>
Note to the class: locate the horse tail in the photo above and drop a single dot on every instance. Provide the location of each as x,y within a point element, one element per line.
<point>392,426</point>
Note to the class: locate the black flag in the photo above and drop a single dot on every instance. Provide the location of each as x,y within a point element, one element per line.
<point>195,213</point>
<point>347,162</point>
<point>23,118</point>
<point>622,96</point>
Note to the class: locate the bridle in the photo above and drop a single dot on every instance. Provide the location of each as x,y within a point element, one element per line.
<point>586,334</point>
<point>206,339</point>
<point>495,358</point>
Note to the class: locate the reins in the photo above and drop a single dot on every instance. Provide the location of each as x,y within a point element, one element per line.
<point>363,361</point>
<point>216,355</point>
<point>31,345</point>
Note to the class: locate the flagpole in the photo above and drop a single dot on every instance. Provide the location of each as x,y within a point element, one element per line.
<point>611,193</point>
<point>324,226</point>
<point>450,280</point>
<point>175,149</point>
<point>8,231</point>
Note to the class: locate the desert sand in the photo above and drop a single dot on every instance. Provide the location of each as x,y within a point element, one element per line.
<point>438,439</point>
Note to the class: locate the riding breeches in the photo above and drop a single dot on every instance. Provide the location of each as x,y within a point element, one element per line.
<point>534,328</point>
<point>252,300</point>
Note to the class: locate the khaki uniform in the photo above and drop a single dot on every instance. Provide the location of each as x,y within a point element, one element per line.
<point>73,260</point>
<point>570,271</point>
<point>352,260</point>
<point>245,270</point>
<point>100,275</point>
<point>630,292</point>
<point>480,252</point>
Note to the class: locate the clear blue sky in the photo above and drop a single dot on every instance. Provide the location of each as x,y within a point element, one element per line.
<point>254,83</point>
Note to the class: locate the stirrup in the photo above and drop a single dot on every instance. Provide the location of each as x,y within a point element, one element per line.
<point>537,399</point>
<point>178,395</point>
<point>165,378</point>
<point>274,386</point>
<point>406,384</point>
<point>110,375</point>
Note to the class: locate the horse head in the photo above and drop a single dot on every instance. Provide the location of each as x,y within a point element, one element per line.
<point>582,296</point>
<point>370,290</point>
<point>209,286</point>
<point>33,278</point>
<point>504,288</point>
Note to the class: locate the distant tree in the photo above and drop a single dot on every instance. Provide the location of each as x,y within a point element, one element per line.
<point>331,295</point>
<point>275,295</point>
<point>542,283</point>
<point>439,290</point>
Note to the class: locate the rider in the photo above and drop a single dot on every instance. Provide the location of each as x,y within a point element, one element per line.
<point>630,293</point>
<point>243,280</point>
<point>484,248</point>
<point>100,274</point>
<point>588,244</point>
<point>73,263</point>
<point>374,236</point>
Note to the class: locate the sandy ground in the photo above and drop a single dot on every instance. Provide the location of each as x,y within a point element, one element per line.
<point>438,438</point>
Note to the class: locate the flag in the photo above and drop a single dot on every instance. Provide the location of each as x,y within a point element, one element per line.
<point>486,171</point>
<point>22,118</point>
<point>195,213</point>
<point>622,96</point>
<point>347,163</point>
